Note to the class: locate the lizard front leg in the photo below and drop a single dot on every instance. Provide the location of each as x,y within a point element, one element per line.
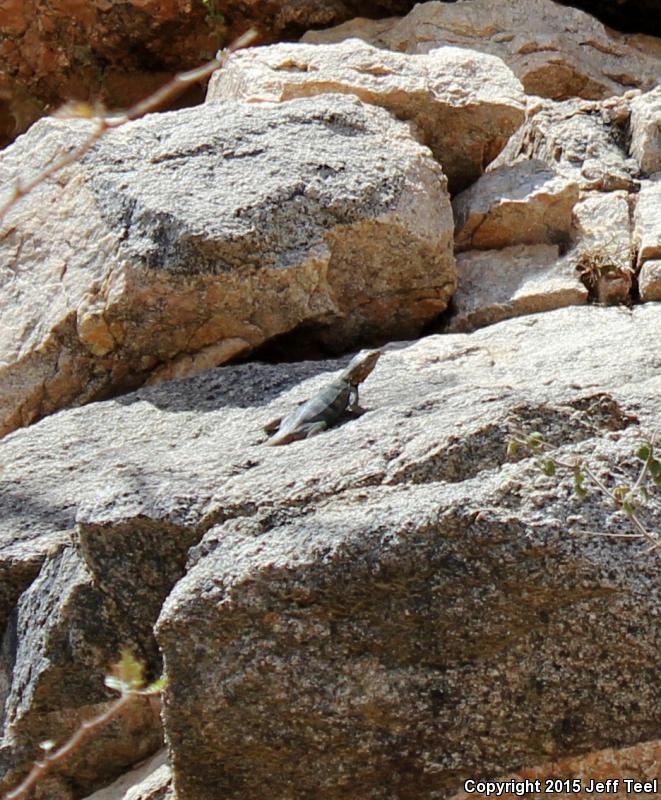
<point>353,397</point>
<point>313,428</point>
<point>273,425</point>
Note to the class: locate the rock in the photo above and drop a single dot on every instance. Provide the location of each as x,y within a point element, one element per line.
<point>499,284</point>
<point>646,131</point>
<point>116,54</point>
<point>337,220</point>
<point>555,51</point>
<point>647,220</point>
<point>587,142</point>
<point>582,140</point>
<point>608,768</point>
<point>392,586</point>
<point>649,280</point>
<point>527,203</point>
<point>150,781</point>
<point>603,252</point>
<point>326,649</point>
<point>113,54</point>
<point>58,646</point>
<point>464,104</point>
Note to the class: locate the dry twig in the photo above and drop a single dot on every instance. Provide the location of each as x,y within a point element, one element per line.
<point>625,498</point>
<point>40,768</point>
<point>105,122</point>
<point>128,679</point>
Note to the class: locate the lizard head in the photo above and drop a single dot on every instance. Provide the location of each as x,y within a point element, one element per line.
<point>361,365</point>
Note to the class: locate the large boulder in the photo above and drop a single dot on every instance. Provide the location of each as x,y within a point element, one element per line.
<point>603,252</point>
<point>465,104</point>
<point>117,53</point>
<point>620,772</point>
<point>409,636</point>
<point>512,282</point>
<point>526,203</point>
<point>185,239</point>
<point>555,51</point>
<point>646,131</point>
<point>583,140</point>
<point>392,602</point>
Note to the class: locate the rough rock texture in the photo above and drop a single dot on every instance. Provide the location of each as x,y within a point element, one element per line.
<point>649,280</point>
<point>639,764</point>
<point>527,203</point>
<point>555,51</point>
<point>589,143</point>
<point>597,147</point>
<point>465,104</point>
<point>584,141</point>
<point>150,781</point>
<point>394,637</point>
<point>389,604</point>
<point>184,239</point>
<point>117,53</point>
<point>647,220</point>
<point>61,640</point>
<point>646,130</point>
<point>524,279</point>
<point>337,654</point>
<point>603,252</point>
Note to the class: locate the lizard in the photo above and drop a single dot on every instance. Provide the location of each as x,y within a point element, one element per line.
<point>328,405</point>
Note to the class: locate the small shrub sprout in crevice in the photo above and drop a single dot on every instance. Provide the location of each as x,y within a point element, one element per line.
<point>602,276</point>
<point>628,498</point>
<point>128,680</point>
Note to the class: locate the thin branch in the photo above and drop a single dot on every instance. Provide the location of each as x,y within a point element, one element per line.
<point>169,91</point>
<point>651,537</point>
<point>648,461</point>
<point>642,533</point>
<point>40,768</point>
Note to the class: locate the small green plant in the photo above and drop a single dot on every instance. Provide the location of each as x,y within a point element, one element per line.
<point>128,679</point>
<point>628,498</point>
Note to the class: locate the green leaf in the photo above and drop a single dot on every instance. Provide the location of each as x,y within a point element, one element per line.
<point>620,493</point>
<point>535,441</point>
<point>131,671</point>
<point>655,470</point>
<point>644,451</point>
<point>579,490</point>
<point>548,466</point>
<point>156,687</point>
<point>512,447</point>
<point>128,674</point>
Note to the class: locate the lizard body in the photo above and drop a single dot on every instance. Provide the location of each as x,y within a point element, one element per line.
<point>325,408</point>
